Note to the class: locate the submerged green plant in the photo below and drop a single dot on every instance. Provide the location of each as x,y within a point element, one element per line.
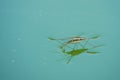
<point>75,50</point>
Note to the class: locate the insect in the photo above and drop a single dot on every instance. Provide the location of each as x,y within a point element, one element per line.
<point>70,40</point>
<point>72,51</point>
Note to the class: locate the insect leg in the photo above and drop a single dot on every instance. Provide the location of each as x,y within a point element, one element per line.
<point>86,43</point>
<point>69,59</point>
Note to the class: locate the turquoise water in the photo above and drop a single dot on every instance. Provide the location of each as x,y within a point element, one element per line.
<point>27,54</point>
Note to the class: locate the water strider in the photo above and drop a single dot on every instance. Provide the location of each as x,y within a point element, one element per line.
<point>74,51</point>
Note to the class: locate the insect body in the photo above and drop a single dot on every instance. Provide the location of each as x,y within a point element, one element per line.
<point>71,40</point>
<point>74,40</point>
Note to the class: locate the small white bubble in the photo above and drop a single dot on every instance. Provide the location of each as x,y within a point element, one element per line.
<point>44,58</point>
<point>23,32</point>
<point>13,50</point>
<point>40,14</point>
<point>13,60</point>
<point>19,39</point>
<point>44,63</point>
